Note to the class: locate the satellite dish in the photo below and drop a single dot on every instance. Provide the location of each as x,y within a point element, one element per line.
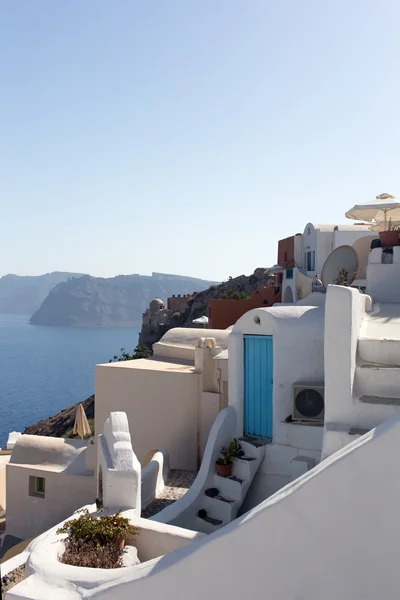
<point>344,257</point>
<point>362,248</point>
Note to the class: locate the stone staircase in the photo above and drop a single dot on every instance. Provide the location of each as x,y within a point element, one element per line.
<point>220,504</point>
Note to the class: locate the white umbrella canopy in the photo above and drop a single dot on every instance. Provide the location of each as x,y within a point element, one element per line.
<point>201,320</point>
<point>378,211</point>
<point>81,425</point>
<point>274,269</point>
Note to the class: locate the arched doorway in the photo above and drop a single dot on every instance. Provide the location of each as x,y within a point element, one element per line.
<point>288,295</point>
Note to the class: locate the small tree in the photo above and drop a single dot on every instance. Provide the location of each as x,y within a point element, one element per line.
<point>139,352</point>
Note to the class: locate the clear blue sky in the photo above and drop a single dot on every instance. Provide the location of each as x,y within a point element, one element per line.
<point>189,136</point>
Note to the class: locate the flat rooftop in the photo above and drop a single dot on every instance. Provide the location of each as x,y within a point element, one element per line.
<point>153,364</point>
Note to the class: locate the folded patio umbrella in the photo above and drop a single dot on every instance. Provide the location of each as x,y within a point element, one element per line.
<point>81,425</point>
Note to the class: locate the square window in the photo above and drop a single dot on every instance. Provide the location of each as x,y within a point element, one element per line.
<point>37,486</point>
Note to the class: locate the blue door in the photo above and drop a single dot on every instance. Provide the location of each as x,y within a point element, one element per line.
<point>258,386</point>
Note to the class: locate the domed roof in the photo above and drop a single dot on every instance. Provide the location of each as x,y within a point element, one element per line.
<point>156,305</point>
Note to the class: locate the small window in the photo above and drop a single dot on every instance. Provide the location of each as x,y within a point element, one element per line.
<point>308,231</point>
<point>37,486</point>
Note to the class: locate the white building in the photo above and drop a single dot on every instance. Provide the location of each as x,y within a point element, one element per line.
<point>303,379</point>
<point>319,241</point>
<point>312,249</point>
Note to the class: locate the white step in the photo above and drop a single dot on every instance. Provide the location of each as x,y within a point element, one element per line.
<point>381,351</point>
<point>205,527</point>
<point>379,336</point>
<point>381,400</point>
<point>251,450</point>
<point>228,488</point>
<point>376,380</point>
<point>245,469</point>
<point>226,511</point>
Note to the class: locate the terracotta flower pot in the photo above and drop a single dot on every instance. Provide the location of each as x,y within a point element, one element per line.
<point>389,238</point>
<point>224,470</point>
<point>120,542</point>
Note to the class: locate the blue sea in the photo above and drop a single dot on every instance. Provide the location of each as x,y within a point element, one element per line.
<point>46,369</point>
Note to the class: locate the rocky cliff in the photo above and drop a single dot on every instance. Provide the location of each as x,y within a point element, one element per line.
<point>23,295</point>
<point>61,424</point>
<point>121,300</point>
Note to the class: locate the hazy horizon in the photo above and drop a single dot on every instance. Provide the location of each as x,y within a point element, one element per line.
<point>109,276</point>
<point>189,137</point>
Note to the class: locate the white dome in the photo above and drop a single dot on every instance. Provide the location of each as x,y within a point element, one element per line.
<point>156,305</point>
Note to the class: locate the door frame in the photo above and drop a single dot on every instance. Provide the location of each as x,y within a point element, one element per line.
<point>268,418</point>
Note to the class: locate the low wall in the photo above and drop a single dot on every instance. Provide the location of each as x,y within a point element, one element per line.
<point>154,476</point>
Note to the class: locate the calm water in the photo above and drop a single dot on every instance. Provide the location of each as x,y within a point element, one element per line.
<point>45,369</point>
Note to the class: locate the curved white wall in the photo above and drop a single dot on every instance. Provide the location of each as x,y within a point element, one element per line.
<point>183,512</point>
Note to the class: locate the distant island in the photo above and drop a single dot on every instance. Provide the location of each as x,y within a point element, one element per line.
<point>23,295</point>
<point>118,301</point>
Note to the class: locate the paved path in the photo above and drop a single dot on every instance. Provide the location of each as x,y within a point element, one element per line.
<point>177,485</point>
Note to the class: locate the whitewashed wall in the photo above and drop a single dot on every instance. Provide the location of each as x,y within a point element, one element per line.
<point>161,405</point>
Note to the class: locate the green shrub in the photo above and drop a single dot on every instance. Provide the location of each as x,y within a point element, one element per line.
<point>101,530</point>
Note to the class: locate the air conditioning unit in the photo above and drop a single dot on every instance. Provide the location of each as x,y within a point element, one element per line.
<point>308,403</point>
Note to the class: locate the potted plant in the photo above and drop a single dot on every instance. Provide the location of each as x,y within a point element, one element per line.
<point>228,454</point>
<point>96,541</point>
<point>390,237</point>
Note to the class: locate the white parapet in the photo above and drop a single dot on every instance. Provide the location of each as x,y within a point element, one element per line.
<point>375,256</point>
<point>119,476</point>
<point>12,438</point>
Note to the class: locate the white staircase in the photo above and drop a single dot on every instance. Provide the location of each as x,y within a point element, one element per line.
<point>220,504</point>
<point>377,377</point>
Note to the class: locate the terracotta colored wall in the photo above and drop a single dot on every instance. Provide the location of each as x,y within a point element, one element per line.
<point>178,304</point>
<point>224,313</point>
<point>286,252</point>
